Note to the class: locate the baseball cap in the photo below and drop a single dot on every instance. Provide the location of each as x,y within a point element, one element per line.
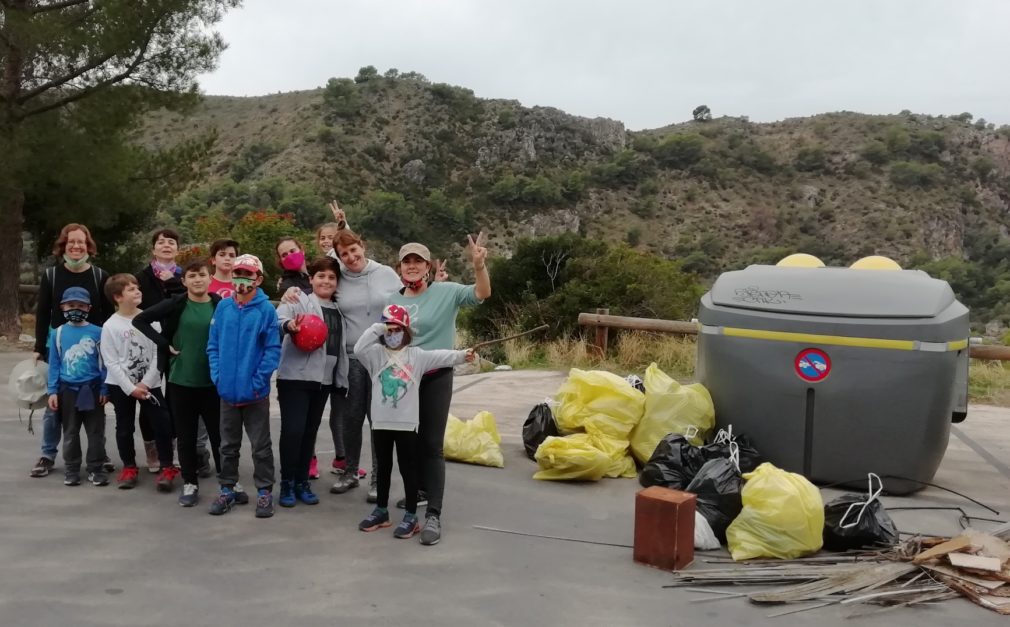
<point>414,248</point>
<point>78,294</point>
<point>395,314</point>
<point>248,262</point>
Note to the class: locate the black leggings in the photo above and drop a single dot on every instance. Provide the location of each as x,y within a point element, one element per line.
<point>153,412</point>
<point>302,404</point>
<point>406,459</point>
<point>435,396</point>
<point>188,405</point>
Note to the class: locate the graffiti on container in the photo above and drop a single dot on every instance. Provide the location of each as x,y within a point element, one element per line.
<point>757,295</point>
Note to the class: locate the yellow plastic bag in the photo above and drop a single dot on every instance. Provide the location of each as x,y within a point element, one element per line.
<point>571,457</point>
<point>598,402</point>
<point>475,441</point>
<point>671,408</point>
<point>621,463</point>
<point>782,516</point>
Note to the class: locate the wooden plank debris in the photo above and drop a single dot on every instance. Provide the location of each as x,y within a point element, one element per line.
<point>975,562</point>
<point>956,544</point>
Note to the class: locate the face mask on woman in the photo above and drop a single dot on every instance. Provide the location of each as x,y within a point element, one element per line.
<point>294,261</point>
<point>75,264</point>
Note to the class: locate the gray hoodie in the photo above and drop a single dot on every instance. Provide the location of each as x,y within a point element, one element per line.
<point>296,364</point>
<point>361,297</point>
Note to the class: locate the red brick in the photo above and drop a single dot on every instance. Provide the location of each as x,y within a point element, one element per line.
<point>664,528</point>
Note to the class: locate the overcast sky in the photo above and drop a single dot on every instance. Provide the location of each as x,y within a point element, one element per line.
<point>647,63</point>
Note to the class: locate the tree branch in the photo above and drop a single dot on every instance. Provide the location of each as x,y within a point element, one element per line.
<point>74,97</point>
<point>63,80</point>
<point>63,4</point>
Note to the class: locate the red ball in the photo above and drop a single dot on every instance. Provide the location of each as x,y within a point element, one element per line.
<point>311,334</point>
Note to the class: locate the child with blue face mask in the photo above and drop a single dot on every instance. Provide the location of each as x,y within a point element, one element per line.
<point>77,386</point>
<point>395,368</point>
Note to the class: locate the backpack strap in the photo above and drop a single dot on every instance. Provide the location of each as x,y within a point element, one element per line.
<point>59,346</point>
<point>52,282</point>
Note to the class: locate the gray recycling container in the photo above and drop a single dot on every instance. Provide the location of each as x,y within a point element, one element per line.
<point>837,372</point>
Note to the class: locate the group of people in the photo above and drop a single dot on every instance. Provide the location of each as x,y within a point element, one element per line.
<point>195,348</point>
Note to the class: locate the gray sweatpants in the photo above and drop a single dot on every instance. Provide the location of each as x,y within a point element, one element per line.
<point>255,417</point>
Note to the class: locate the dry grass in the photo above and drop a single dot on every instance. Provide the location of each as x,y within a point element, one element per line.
<point>989,382</point>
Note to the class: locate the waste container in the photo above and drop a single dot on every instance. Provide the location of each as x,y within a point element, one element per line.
<point>836,372</point>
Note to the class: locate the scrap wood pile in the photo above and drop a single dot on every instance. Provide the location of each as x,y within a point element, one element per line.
<point>916,571</point>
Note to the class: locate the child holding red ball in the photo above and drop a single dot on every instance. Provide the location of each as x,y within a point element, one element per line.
<point>313,364</point>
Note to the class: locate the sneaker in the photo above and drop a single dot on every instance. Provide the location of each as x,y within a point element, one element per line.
<point>42,467</point>
<point>422,500</point>
<point>376,520</point>
<point>204,471</point>
<point>108,466</point>
<point>98,478</point>
<point>344,483</point>
<point>190,495</point>
<point>166,480</point>
<point>153,463</point>
<point>304,493</point>
<point>338,467</point>
<point>72,478</point>
<point>264,504</point>
<point>314,468</point>
<point>224,501</point>
<point>432,531</point>
<point>241,497</point>
<point>128,478</point>
<point>373,495</point>
<point>408,527</point>
<point>362,473</point>
<point>287,497</point>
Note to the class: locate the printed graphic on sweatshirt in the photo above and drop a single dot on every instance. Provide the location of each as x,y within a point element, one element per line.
<point>395,381</point>
<point>79,360</point>
<point>137,357</point>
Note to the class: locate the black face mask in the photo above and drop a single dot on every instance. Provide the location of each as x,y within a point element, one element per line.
<point>75,315</point>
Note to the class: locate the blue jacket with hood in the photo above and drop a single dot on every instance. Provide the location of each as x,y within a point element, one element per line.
<point>244,349</point>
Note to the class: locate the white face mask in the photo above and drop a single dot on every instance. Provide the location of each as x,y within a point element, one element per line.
<point>393,339</point>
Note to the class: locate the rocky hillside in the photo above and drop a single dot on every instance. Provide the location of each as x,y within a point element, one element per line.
<point>716,193</point>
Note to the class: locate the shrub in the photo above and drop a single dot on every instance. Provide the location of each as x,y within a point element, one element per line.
<point>911,174</point>
<point>625,169</point>
<point>679,151</point>
<point>876,152</point>
<point>341,99</point>
<point>811,159</point>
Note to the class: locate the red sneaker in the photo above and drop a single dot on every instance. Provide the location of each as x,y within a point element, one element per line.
<point>314,468</point>
<point>166,480</point>
<point>338,467</point>
<point>127,478</point>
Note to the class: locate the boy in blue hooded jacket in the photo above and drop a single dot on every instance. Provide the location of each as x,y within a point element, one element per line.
<point>244,349</point>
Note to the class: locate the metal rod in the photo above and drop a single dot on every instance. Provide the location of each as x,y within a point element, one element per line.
<point>542,327</point>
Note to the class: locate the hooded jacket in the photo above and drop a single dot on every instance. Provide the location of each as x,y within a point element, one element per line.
<point>167,313</point>
<point>362,296</point>
<point>296,364</point>
<point>244,349</point>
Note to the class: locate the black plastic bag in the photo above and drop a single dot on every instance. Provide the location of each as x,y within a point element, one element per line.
<point>749,456</point>
<point>717,486</point>
<point>673,464</point>
<point>538,427</point>
<point>873,525</point>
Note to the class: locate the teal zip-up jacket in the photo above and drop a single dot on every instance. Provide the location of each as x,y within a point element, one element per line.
<point>244,349</point>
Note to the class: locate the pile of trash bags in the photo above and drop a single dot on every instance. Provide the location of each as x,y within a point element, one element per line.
<point>613,416</point>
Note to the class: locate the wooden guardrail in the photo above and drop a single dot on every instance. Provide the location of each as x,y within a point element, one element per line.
<point>602,321</point>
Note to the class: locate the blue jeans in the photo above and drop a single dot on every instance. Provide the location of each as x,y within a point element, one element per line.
<point>52,431</point>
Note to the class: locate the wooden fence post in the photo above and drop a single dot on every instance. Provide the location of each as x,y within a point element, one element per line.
<point>602,333</point>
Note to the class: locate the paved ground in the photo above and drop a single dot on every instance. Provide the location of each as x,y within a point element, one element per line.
<point>101,556</point>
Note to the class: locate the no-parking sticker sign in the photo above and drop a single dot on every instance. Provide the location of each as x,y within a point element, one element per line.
<point>813,365</point>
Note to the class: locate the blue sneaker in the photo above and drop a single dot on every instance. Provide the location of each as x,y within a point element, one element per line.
<point>303,490</point>
<point>224,502</point>
<point>287,497</point>
<point>190,495</point>
<point>264,504</point>
<point>376,520</point>
<point>241,497</point>
<point>408,527</point>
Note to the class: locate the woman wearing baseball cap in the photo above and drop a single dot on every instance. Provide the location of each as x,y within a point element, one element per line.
<point>433,309</point>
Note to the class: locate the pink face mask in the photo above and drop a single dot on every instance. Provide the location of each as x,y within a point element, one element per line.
<point>294,261</point>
